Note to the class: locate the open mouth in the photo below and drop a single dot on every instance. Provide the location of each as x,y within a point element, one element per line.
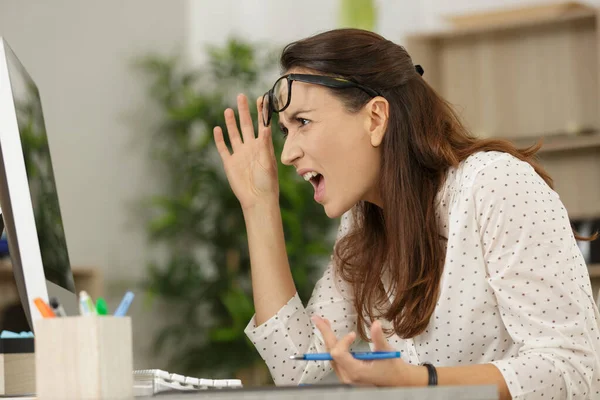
<point>316,180</point>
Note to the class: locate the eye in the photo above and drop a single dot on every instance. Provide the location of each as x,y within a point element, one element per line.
<point>303,121</point>
<point>283,130</point>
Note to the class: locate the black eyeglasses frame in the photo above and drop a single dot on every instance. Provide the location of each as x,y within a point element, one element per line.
<point>328,81</point>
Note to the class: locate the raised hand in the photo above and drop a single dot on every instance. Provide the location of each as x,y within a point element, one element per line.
<point>251,167</point>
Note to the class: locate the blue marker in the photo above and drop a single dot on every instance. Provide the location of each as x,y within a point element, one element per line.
<point>359,355</point>
<point>124,305</point>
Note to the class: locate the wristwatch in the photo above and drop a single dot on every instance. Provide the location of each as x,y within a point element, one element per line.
<point>433,380</point>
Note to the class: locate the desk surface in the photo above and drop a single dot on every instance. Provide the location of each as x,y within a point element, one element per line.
<point>333,392</point>
<point>339,392</point>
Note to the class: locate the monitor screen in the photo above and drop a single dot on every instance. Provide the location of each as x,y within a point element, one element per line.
<point>40,175</point>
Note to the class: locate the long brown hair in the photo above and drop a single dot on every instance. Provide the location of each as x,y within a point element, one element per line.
<point>424,139</point>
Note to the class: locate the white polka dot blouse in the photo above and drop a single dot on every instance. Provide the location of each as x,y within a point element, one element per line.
<point>515,292</point>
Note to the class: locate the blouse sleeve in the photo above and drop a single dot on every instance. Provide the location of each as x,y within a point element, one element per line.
<point>291,331</point>
<point>540,282</point>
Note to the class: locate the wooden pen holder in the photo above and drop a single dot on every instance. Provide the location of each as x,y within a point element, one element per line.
<point>84,357</point>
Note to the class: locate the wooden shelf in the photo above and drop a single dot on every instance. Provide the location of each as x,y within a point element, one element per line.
<point>594,270</point>
<point>562,143</point>
<point>577,15</point>
<point>520,78</point>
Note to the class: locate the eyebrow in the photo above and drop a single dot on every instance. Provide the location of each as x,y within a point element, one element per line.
<point>295,115</point>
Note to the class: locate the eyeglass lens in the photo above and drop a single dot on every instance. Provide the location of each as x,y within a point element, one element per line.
<point>280,94</point>
<point>265,109</point>
<point>280,97</point>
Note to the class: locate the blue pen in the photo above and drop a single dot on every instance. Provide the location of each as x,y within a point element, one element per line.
<point>124,305</point>
<point>359,355</point>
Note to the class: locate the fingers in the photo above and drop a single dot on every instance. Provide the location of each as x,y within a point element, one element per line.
<point>220,142</point>
<point>380,343</point>
<point>345,364</point>
<point>325,327</point>
<point>341,351</point>
<point>259,106</point>
<point>232,130</point>
<point>246,124</point>
<point>262,129</point>
<point>245,119</point>
<point>331,342</point>
<point>347,368</point>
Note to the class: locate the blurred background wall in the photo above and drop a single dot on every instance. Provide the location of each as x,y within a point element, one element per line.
<point>80,54</point>
<point>96,108</point>
<point>285,21</point>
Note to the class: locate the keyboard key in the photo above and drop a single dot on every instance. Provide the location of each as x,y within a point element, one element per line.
<point>192,381</point>
<point>162,374</point>
<point>161,381</point>
<point>206,382</point>
<point>178,378</point>
<point>234,383</point>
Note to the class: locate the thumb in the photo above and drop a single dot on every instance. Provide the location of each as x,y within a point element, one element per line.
<point>380,343</point>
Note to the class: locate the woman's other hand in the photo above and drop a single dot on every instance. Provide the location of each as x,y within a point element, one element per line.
<point>390,372</point>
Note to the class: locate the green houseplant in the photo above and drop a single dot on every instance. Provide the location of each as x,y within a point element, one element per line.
<point>205,278</point>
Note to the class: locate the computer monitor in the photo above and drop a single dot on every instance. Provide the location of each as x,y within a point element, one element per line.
<point>28,195</point>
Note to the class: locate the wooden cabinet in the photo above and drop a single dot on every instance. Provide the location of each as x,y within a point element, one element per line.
<point>531,75</point>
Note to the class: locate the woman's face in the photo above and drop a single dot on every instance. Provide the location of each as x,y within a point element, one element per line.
<point>342,147</point>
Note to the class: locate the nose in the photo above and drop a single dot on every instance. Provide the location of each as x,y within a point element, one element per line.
<point>291,151</point>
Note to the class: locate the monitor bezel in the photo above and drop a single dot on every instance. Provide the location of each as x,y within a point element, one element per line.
<point>16,205</point>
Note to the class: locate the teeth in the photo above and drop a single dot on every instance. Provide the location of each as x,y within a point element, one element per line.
<point>309,175</point>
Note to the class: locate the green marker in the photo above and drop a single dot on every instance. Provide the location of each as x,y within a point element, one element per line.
<point>101,307</point>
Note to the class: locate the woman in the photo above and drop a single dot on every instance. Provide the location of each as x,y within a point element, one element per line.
<point>453,250</point>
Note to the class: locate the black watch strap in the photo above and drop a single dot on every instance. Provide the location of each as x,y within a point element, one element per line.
<point>432,381</point>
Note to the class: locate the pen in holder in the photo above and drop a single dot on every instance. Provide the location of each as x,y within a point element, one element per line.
<point>84,357</point>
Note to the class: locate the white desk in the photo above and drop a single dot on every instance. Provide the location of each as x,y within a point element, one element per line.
<point>329,393</point>
<point>336,392</point>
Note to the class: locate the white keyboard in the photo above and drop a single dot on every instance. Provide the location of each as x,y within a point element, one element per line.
<point>148,382</point>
